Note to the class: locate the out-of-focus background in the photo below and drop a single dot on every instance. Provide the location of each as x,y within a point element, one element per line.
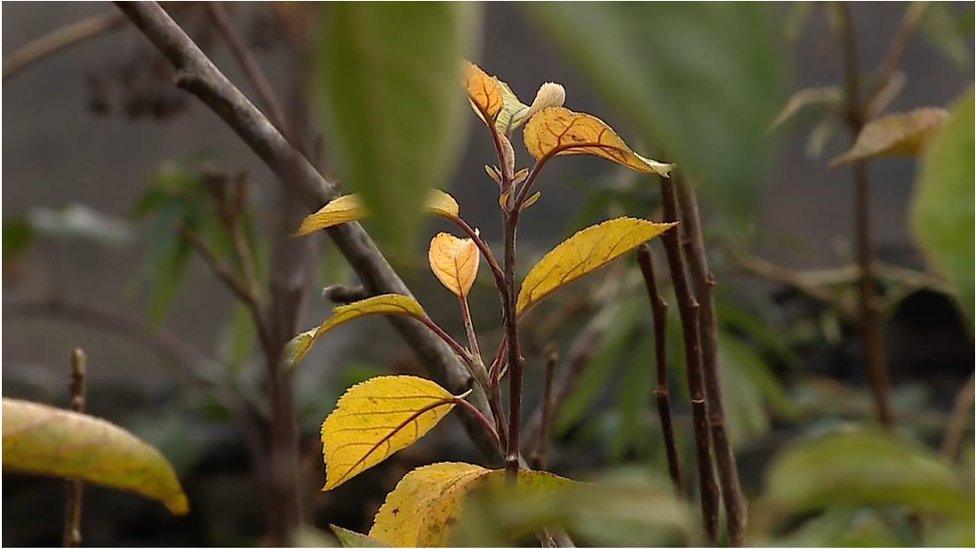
<point>99,148</point>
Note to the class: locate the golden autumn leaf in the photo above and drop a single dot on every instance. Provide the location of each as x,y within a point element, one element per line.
<point>377,418</point>
<point>585,252</point>
<point>44,440</point>
<point>484,92</point>
<point>903,134</point>
<point>385,304</point>
<point>560,131</point>
<point>350,208</point>
<point>454,261</point>
<point>426,502</point>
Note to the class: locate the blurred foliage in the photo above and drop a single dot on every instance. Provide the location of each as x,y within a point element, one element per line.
<point>951,32</point>
<point>942,210</point>
<point>393,116</point>
<point>700,81</point>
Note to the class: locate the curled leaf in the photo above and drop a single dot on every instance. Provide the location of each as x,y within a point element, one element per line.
<point>422,509</point>
<point>377,418</point>
<point>513,114</point>
<point>484,92</point>
<point>44,440</point>
<point>903,134</point>
<point>583,253</point>
<point>560,131</point>
<point>385,304</point>
<point>454,261</point>
<point>350,208</point>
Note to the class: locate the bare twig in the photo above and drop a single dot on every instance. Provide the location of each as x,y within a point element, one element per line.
<point>961,415</point>
<point>870,319</point>
<point>75,490</point>
<point>339,293</point>
<point>736,509</point>
<point>540,457</point>
<point>689,310</point>
<point>60,39</point>
<point>659,314</point>
<point>896,50</point>
<point>199,76</point>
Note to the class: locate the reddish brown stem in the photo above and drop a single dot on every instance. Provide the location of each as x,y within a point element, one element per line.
<point>72,516</point>
<point>659,314</point>
<point>872,340</point>
<point>514,353</point>
<point>688,309</point>
<point>540,457</point>
<point>736,510</point>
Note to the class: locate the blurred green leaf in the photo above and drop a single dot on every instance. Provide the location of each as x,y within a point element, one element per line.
<point>77,221</point>
<point>630,510</point>
<point>842,527</point>
<point>942,209</point>
<point>950,33</point>
<point>863,467</point>
<point>701,81</point>
<point>634,400</point>
<point>750,367</point>
<point>350,538</point>
<point>17,237</point>
<point>390,73</point>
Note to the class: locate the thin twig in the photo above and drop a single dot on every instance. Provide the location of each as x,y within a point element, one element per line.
<point>736,509</point>
<point>961,415</point>
<point>58,40</point>
<point>540,457</point>
<point>689,311</point>
<point>896,49</point>
<point>659,314</point>
<point>75,490</point>
<point>872,340</point>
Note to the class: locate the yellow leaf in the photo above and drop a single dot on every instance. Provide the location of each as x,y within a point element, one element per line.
<point>385,304</point>
<point>503,200</point>
<point>454,261</point>
<point>422,509</point>
<point>903,134</point>
<point>350,208</point>
<point>560,131</point>
<point>377,418</point>
<point>484,92</point>
<point>584,252</point>
<point>44,440</point>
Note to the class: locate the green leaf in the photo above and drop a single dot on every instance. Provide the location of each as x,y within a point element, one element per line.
<point>942,209</point>
<point>862,467</point>
<point>17,237</point>
<point>350,538</point>
<point>701,81</point>
<point>43,440</point>
<point>390,75</point>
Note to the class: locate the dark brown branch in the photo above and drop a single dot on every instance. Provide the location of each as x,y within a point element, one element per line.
<point>251,68</point>
<point>736,510</point>
<point>540,457</point>
<point>514,353</point>
<point>75,489</point>
<point>659,314</point>
<point>199,76</point>
<point>339,293</point>
<point>872,341</point>
<point>689,311</point>
<point>60,39</point>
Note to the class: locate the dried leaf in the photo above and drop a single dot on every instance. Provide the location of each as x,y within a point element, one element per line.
<point>454,261</point>
<point>584,252</point>
<point>560,131</point>
<point>484,92</point>
<point>385,304</point>
<point>421,510</point>
<point>350,208</point>
<point>44,440</point>
<point>377,418</point>
<point>903,134</point>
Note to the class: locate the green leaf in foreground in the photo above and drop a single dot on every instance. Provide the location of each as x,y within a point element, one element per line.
<point>864,468</point>
<point>390,75</point>
<point>350,538</point>
<point>942,210</point>
<point>44,440</point>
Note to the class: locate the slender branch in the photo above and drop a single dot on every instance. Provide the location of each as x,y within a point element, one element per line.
<point>338,293</point>
<point>961,415</point>
<point>872,340</point>
<point>41,48</point>
<point>659,314</point>
<point>199,76</point>
<point>480,417</point>
<point>540,457</point>
<point>496,270</point>
<point>75,488</point>
<point>736,509</point>
<point>475,350</point>
<point>896,49</point>
<point>251,68</point>
<point>689,310</point>
<point>515,359</point>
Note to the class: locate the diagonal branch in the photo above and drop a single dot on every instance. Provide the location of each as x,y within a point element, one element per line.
<point>65,37</point>
<point>199,76</point>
